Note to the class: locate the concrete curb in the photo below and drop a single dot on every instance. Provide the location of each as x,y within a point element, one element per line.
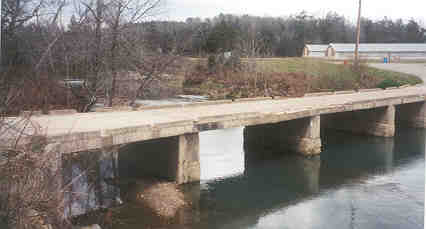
<point>318,94</point>
<point>370,90</point>
<point>214,102</point>
<point>62,112</point>
<point>391,88</point>
<point>344,92</point>
<point>253,99</point>
<point>142,108</point>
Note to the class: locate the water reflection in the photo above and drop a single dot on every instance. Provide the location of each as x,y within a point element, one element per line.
<point>87,176</point>
<point>357,182</point>
<point>221,153</point>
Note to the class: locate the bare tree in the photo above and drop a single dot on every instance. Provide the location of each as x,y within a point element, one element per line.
<point>252,42</point>
<point>121,14</point>
<point>111,19</point>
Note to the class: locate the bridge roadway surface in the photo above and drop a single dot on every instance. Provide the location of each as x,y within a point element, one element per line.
<point>86,131</point>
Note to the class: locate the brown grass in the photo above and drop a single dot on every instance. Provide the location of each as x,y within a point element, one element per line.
<point>44,95</point>
<point>230,84</point>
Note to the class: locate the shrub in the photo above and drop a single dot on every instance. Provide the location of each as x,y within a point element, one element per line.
<point>31,190</point>
<point>388,83</point>
<point>44,94</point>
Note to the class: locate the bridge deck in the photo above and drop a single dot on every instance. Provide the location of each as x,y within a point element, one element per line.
<point>86,131</point>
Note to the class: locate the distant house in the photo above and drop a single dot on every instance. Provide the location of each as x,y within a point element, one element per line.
<point>394,51</point>
<point>315,50</point>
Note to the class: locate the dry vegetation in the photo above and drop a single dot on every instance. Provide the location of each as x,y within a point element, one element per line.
<point>30,187</point>
<point>229,84</point>
<point>284,77</point>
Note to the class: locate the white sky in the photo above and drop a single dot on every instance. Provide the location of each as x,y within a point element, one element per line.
<point>376,9</point>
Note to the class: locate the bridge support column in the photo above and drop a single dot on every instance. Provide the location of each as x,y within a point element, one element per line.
<point>299,135</point>
<point>174,158</point>
<point>411,115</point>
<point>377,122</point>
<point>188,159</point>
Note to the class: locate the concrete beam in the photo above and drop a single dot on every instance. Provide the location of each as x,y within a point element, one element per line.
<point>174,158</point>
<point>300,136</point>
<point>377,122</point>
<point>411,115</point>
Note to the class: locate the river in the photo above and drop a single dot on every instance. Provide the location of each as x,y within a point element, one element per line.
<point>357,182</point>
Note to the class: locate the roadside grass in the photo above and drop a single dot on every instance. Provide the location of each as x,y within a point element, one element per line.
<point>395,76</point>
<point>321,68</point>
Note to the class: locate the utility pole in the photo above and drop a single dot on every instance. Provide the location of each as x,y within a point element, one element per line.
<point>358,32</point>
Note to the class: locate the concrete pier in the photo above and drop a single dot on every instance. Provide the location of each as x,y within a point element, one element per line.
<point>411,115</point>
<point>174,158</point>
<point>378,121</point>
<point>298,136</point>
<point>188,161</point>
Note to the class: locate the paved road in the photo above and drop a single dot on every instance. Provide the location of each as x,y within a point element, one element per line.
<point>414,69</point>
<point>92,130</point>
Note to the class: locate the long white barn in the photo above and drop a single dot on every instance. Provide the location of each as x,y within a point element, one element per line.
<point>393,52</point>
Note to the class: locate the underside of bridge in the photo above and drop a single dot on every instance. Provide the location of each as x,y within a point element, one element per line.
<point>411,115</point>
<point>177,158</point>
<point>377,121</point>
<point>299,136</point>
<point>174,158</point>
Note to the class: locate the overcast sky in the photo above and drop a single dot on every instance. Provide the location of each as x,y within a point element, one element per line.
<point>376,9</point>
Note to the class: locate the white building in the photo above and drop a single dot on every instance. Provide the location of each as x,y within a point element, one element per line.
<point>394,52</point>
<point>315,50</point>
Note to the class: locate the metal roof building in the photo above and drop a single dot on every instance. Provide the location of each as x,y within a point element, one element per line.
<point>394,51</point>
<point>315,50</point>
<point>378,51</point>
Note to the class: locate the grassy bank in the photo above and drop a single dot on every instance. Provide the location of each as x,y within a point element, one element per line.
<point>286,77</point>
<point>322,69</point>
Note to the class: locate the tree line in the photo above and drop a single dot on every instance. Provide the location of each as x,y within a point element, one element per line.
<point>254,36</point>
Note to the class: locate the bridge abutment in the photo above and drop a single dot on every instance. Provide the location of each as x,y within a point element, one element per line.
<point>377,122</point>
<point>173,158</point>
<point>411,115</point>
<point>300,136</point>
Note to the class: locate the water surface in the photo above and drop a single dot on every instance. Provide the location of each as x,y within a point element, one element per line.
<point>357,182</point>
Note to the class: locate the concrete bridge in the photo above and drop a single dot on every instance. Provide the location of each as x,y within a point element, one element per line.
<point>164,142</point>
